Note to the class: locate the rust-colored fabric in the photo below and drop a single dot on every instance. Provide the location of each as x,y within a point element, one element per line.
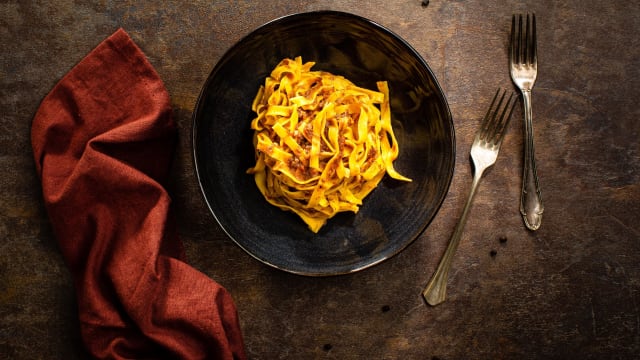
<point>103,139</point>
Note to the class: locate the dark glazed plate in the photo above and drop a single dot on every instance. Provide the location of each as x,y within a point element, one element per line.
<point>394,214</point>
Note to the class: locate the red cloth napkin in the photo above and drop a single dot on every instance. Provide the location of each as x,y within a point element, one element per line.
<point>103,141</point>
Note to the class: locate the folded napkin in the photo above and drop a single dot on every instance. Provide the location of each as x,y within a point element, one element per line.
<point>103,141</point>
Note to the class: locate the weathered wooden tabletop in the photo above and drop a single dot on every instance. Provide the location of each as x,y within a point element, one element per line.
<point>570,290</point>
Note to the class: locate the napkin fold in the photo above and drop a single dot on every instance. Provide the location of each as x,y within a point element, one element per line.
<point>103,140</point>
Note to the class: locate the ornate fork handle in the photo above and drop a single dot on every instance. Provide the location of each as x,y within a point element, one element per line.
<point>435,292</point>
<point>531,206</point>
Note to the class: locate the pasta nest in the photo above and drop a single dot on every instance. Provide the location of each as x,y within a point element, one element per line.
<point>322,144</point>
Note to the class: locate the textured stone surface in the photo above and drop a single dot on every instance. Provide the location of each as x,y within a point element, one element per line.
<point>569,290</point>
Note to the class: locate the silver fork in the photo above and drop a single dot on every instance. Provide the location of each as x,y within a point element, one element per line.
<point>484,152</point>
<point>523,63</point>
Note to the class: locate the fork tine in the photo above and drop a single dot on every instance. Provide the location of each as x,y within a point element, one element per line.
<point>526,43</point>
<point>534,50</point>
<point>520,46</point>
<point>495,121</point>
<point>492,132</point>
<point>504,119</point>
<point>487,120</point>
<point>523,39</point>
<point>513,48</point>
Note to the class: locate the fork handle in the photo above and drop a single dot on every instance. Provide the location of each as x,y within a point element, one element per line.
<point>436,289</point>
<point>531,206</point>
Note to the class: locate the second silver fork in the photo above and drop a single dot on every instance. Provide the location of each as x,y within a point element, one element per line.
<point>523,64</point>
<point>484,152</point>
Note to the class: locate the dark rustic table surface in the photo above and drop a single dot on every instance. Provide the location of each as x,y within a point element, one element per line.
<point>570,290</point>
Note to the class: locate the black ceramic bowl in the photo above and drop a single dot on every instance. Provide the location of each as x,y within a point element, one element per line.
<point>394,214</point>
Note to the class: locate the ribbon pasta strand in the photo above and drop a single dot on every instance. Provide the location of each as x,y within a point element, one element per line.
<point>322,143</point>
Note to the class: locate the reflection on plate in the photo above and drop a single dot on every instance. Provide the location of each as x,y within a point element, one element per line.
<point>394,214</point>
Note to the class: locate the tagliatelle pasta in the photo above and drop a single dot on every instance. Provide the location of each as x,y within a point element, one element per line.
<point>322,143</point>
